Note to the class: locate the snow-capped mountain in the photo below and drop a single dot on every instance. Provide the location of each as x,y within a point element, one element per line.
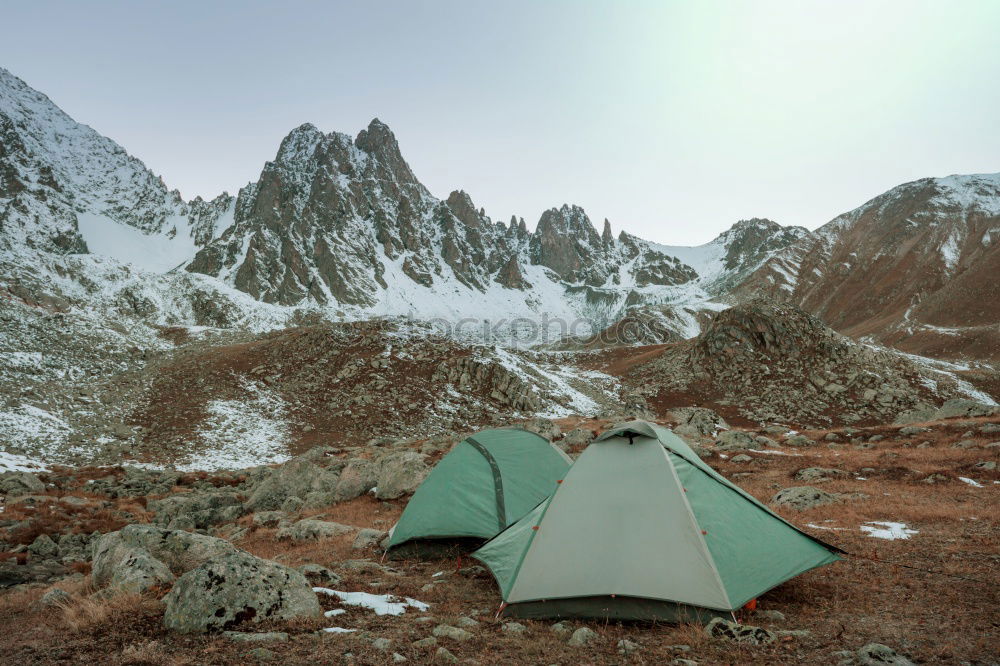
<point>341,227</point>
<point>916,266</point>
<point>64,188</point>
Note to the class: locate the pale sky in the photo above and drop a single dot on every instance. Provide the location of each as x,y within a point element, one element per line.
<point>672,119</point>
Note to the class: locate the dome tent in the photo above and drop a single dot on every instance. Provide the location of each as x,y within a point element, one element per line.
<point>642,529</point>
<point>485,483</point>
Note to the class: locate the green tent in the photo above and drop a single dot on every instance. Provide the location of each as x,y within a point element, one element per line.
<point>642,529</point>
<point>487,482</point>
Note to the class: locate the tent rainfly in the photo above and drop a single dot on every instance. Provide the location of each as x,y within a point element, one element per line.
<point>642,529</point>
<point>485,483</point>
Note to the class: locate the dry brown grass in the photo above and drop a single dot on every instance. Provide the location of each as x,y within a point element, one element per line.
<point>94,613</point>
<point>926,612</point>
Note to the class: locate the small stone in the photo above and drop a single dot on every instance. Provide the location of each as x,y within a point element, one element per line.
<point>54,597</point>
<point>742,458</point>
<point>43,547</point>
<point>466,623</point>
<point>263,654</point>
<point>581,637</point>
<point>430,641</point>
<point>445,655</point>
<point>738,633</point>
<point>382,644</point>
<point>985,466</point>
<point>454,633</point>
<point>964,444</point>
<point>514,628</point>
<point>561,629</point>
<point>398,658</point>
<point>683,662</point>
<point>625,646</point>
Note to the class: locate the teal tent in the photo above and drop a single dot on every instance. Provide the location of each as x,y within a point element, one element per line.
<point>641,528</point>
<point>485,483</point>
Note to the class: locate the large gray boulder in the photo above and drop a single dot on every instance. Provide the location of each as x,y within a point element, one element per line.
<point>196,510</point>
<point>963,407</point>
<point>235,590</point>
<point>803,497</point>
<point>735,440</point>
<point>15,484</point>
<point>697,422</point>
<point>400,473</point>
<point>138,557</point>
<point>299,477</point>
<point>358,477</point>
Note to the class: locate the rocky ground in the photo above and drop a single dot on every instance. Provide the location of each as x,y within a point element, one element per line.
<point>130,566</point>
<point>763,361</point>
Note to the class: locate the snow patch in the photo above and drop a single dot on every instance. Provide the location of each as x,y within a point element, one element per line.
<point>382,604</point>
<point>889,531</point>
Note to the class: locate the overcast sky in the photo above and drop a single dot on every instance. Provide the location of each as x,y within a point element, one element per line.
<point>672,119</point>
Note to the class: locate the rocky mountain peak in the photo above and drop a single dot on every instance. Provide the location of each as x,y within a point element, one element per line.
<point>461,205</point>
<point>606,236</point>
<point>379,141</point>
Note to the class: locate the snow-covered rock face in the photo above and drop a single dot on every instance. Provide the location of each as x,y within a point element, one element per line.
<point>64,188</point>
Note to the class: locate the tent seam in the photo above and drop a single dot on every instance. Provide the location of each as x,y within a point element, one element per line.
<point>697,527</point>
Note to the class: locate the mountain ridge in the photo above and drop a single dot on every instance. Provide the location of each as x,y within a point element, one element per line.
<point>343,225</point>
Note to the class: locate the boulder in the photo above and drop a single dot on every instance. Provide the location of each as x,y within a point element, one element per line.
<point>15,484</point>
<point>196,510</point>
<point>910,431</point>
<point>582,636</point>
<point>918,415</point>
<point>138,557</point>
<point>544,427</point>
<point>576,437</point>
<point>696,422</point>
<point>963,407</point>
<point>454,633</point>
<point>268,518</point>
<point>126,568</point>
<point>358,477</point>
<point>54,597</point>
<point>235,590</point>
<point>299,477</point>
<point>368,538</point>
<point>738,633</point>
<point>736,440</point>
<point>799,440</point>
<point>43,547</point>
<point>312,530</point>
<point>803,497</point>
<point>819,474</point>
<point>399,473</point>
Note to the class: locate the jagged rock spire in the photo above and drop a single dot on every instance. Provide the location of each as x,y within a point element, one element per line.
<point>606,235</point>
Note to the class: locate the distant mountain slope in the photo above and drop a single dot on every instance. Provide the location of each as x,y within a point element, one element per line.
<point>64,188</point>
<point>917,264</point>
